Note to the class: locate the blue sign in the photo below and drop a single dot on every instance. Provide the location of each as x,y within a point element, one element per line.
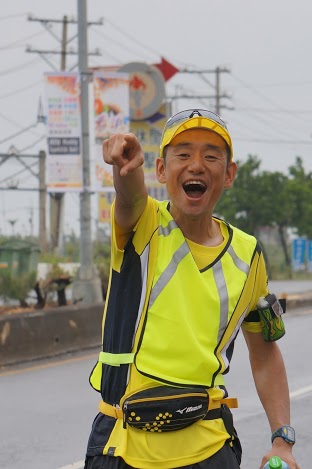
<point>298,254</point>
<point>309,252</point>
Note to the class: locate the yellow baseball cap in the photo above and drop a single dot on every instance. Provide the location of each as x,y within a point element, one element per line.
<point>194,118</point>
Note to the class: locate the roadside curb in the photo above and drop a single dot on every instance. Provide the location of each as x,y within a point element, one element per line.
<point>48,333</point>
<point>297,300</point>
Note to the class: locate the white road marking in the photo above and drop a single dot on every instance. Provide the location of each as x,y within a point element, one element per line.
<point>301,391</point>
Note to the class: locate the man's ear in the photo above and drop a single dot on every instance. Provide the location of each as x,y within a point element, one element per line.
<point>161,170</point>
<point>230,175</point>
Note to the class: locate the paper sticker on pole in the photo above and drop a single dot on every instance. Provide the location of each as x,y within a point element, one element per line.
<point>147,89</point>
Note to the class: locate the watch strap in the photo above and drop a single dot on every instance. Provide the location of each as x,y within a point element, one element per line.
<point>286,432</point>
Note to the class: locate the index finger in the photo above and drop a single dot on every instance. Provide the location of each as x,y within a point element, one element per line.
<point>113,150</point>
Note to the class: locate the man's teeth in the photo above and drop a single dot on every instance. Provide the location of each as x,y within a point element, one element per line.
<point>198,183</point>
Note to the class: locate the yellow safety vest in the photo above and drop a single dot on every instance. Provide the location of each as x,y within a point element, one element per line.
<point>188,319</point>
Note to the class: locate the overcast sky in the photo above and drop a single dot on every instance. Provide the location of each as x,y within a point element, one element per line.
<point>265,45</point>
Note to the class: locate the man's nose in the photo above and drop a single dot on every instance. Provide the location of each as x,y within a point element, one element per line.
<point>197,164</point>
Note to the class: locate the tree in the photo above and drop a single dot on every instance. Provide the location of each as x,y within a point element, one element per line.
<point>257,199</point>
<point>300,191</point>
<point>277,205</point>
<point>242,204</point>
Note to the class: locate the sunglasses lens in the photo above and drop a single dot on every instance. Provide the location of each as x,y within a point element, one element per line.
<point>189,113</point>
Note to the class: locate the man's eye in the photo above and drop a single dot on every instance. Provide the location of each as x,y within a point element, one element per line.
<point>211,157</point>
<point>183,155</point>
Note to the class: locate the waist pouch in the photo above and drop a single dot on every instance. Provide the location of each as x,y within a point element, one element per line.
<point>165,408</point>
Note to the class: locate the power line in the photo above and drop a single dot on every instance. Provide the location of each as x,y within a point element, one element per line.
<point>20,41</point>
<point>19,133</point>
<point>217,86</point>
<point>64,41</point>
<point>3,18</point>
<point>20,90</point>
<point>282,131</point>
<point>31,145</point>
<point>243,124</point>
<point>280,84</point>
<point>267,120</point>
<point>18,67</point>
<point>132,38</point>
<point>278,124</point>
<point>275,141</point>
<point>123,46</point>
<point>275,111</point>
<point>262,95</point>
<point>21,171</point>
<point>254,90</point>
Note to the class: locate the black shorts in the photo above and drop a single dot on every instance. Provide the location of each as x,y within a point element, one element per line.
<point>226,458</point>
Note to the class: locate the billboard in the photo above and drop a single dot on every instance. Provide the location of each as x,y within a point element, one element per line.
<point>64,158</point>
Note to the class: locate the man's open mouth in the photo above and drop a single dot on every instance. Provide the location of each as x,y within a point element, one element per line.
<point>194,189</point>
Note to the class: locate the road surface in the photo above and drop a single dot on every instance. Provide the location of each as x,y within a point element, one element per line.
<point>47,407</point>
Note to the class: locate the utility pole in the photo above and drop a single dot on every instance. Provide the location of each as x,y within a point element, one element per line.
<point>40,175</point>
<point>42,202</point>
<point>87,285</point>
<point>218,72</point>
<point>217,86</point>
<point>57,198</point>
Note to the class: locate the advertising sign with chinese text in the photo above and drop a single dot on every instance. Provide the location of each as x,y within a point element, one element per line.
<point>64,158</point>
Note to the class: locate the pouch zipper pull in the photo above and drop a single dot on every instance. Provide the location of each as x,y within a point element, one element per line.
<point>124,408</point>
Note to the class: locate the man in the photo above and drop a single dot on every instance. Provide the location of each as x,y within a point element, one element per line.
<point>182,284</point>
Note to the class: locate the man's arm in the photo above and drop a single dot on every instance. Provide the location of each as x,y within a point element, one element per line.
<point>125,154</point>
<point>270,378</point>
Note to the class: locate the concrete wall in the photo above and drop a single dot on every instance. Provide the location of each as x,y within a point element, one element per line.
<point>46,333</point>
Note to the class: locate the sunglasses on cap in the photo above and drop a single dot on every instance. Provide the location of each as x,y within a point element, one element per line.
<point>194,118</point>
<point>189,113</point>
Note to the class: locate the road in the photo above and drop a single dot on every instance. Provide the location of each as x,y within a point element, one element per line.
<point>47,407</point>
<point>280,287</point>
<point>249,418</point>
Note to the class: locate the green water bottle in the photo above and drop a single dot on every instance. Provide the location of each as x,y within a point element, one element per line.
<point>270,311</point>
<point>276,463</point>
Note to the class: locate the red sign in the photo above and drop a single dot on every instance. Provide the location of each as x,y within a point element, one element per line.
<point>167,69</point>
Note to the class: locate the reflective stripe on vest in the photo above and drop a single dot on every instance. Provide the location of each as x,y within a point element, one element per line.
<point>165,277</point>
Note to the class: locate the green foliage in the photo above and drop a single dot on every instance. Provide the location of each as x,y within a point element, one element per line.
<point>300,190</point>
<point>71,252</point>
<point>240,205</point>
<point>263,198</point>
<point>16,287</point>
<point>72,248</point>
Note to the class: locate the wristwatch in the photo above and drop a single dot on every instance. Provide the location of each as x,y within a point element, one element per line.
<point>286,432</point>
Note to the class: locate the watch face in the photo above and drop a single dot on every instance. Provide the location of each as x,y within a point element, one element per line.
<point>289,433</point>
<point>286,432</point>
